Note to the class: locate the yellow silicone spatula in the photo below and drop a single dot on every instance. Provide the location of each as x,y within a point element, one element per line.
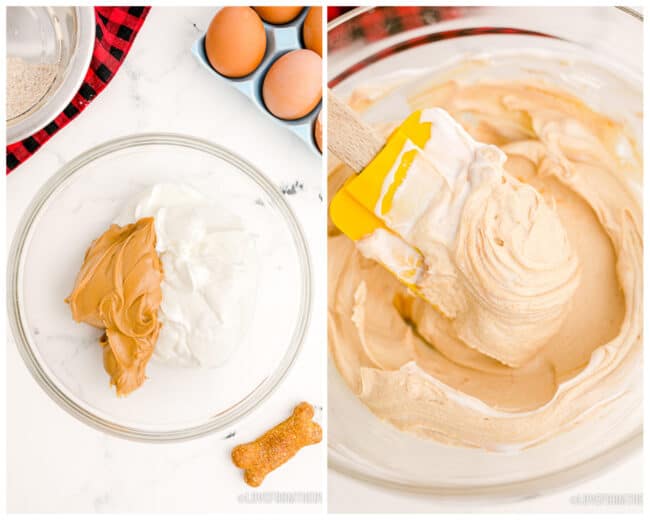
<point>360,208</point>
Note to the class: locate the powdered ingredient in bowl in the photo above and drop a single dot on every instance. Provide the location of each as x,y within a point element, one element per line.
<point>27,84</point>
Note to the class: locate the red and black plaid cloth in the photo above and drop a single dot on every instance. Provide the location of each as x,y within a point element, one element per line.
<point>378,23</point>
<point>381,22</point>
<point>116,28</point>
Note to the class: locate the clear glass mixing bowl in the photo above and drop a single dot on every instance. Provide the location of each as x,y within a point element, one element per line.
<point>74,207</point>
<point>404,49</point>
<point>62,38</point>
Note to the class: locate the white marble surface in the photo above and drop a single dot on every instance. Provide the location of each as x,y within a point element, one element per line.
<point>57,464</point>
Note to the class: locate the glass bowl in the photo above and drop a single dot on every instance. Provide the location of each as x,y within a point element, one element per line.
<point>73,208</point>
<point>62,38</point>
<point>401,50</point>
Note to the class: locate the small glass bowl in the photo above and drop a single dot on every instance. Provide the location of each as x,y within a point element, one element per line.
<point>73,208</point>
<point>61,37</point>
<point>405,48</point>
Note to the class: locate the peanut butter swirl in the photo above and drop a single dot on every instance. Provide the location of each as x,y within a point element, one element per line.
<point>118,289</point>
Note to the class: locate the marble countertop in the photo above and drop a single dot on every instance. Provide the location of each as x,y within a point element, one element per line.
<point>57,464</point>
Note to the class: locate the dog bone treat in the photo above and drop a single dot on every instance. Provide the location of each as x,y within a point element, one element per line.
<point>118,289</point>
<point>278,445</point>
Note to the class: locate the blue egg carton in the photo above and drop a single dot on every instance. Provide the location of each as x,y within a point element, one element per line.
<point>280,39</point>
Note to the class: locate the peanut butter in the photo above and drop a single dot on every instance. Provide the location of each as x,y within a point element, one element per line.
<point>410,362</point>
<point>118,289</point>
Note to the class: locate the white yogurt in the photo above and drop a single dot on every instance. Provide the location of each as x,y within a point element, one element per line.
<point>210,274</point>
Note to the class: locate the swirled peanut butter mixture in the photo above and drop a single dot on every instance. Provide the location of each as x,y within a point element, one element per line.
<point>537,287</point>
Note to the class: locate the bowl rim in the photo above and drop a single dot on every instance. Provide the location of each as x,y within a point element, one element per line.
<point>353,13</point>
<point>75,74</point>
<point>22,238</point>
<point>548,483</point>
<point>517,490</point>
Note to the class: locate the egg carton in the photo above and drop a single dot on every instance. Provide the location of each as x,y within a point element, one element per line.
<point>280,39</point>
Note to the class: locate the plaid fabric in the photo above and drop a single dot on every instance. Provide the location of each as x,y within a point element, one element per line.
<point>381,22</point>
<point>116,28</point>
<point>336,10</point>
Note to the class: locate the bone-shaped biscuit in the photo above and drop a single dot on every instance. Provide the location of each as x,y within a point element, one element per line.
<point>278,445</point>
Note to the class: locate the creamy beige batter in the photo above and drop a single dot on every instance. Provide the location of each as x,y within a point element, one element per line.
<point>405,358</point>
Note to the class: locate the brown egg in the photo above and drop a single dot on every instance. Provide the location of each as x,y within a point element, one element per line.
<point>293,85</point>
<point>235,42</point>
<point>318,132</point>
<point>312,30</point>
<point>278,15</point>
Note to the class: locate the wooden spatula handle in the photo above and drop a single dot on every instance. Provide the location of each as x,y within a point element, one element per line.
<point>349,138</point>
